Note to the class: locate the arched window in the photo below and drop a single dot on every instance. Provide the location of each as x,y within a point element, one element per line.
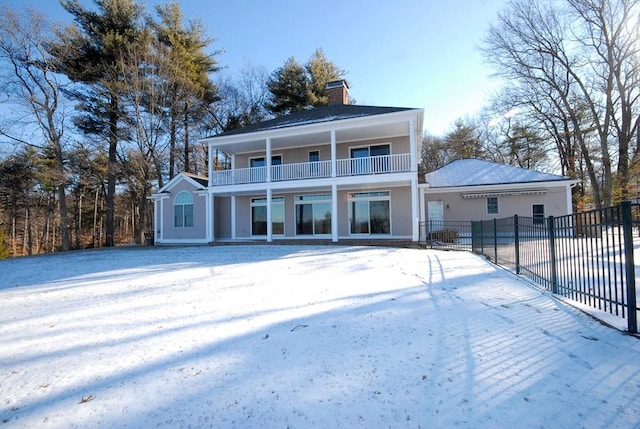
<point>183,210</point>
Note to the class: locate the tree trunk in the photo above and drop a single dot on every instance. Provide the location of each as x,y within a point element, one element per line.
<point>186,138</point>
<point>111,173</point>
<point>172,141</point>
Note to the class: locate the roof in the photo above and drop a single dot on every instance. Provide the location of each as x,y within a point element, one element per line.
<point>201,180</point>
<point>329,113</point>
<point>476,172</point>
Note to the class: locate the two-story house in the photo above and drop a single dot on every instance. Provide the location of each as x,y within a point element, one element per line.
<point>340,172</point>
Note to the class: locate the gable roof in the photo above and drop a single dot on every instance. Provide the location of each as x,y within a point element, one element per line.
<point>329,113</point>
<point>198,182</point>
<point>476,172</point>
<point>203,181</point>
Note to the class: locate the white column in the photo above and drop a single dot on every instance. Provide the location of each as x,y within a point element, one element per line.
<point>569,201</point>
<point>207,216</point>
<point>267,159</point>
<point>269,226</point>
<point>210,223</point>
<point>161,224</point>
<point>210,168</point>
<point>233,217</point>
<point>423,213</point>
<point>414,209</point>
<point>412,146</point>
<point>333,153</point>
<point>334,213</point>
<point>156,225</point>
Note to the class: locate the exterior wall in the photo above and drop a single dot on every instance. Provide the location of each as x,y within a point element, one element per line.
<point>198,231</point>
<point>457,208</point>
<point>400,212</point>
<point>243,217</point>
<point>301,154</point>
<point>222,218</point>
<point>398,145</point>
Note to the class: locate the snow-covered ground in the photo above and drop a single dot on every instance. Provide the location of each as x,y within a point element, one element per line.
<point>300,337</point>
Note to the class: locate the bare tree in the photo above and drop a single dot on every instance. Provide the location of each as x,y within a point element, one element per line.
<point>571,68</point>
<point>29,82</point>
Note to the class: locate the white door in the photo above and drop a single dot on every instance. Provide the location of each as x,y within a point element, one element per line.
<point>435,215</point>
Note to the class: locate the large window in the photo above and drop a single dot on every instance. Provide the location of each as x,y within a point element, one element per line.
<point>259,216</point>
<point>183,210</point>
<point>369,213</point>
<point>370,159</point>
<point>492,205</point>
<point>313,214</point>
<point>260,164</point>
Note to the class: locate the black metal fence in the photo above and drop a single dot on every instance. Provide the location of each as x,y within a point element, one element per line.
<point>446,235</point>
<point>587,257</point>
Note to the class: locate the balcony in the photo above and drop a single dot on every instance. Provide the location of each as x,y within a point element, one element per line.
<point>314,170</point>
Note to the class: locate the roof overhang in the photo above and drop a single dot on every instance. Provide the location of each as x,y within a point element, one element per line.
<point>361,128</point>
<point>495,190</point>
<point>504,193</point>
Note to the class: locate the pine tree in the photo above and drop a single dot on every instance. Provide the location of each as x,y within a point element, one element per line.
<point>88,51</point>
<point>320,71</point>
<point>191,88</point>
<point>289,88</point>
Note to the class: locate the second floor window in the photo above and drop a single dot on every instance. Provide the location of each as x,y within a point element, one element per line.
<point>362,160</point>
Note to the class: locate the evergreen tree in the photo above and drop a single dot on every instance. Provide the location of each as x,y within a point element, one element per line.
<point>463,142</point>
<point>88,52</point>
<point>191,89</point>
<point>294,87</point>
<point>288,86</point>
<point>320,72</point>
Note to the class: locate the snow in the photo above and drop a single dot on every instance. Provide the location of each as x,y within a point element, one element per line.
<point>300,337</point>
<point>477,172</point>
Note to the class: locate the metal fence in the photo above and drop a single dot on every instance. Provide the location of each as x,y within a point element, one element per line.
<point>446,235</point>
<point>586,257</point>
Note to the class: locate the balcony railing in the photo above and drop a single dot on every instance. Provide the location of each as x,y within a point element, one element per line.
<point>313,170</point>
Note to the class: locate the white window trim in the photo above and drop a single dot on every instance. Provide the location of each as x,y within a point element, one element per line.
<point>497,204</point>
<point>309,155</point>
<point>193,210</point>
<point>368,145</point>
<point>273,155</point>
<point>350,199</point>
<point>274,200</point>
<point>297,202</point>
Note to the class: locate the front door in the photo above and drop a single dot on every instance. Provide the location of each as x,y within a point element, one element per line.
<point>435,216</point>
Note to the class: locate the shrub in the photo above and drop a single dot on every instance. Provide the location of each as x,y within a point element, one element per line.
<point>445,236</point>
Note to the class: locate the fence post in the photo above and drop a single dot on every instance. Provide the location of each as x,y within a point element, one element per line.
<point>629,266</point>
<point>495,239</point>
<point>482,237</point>
<point>552,255</point>
<point>516,243</point>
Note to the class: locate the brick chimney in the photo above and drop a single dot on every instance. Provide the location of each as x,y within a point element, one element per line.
<point>338,92</point>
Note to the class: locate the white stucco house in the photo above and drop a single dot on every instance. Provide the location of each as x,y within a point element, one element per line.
<point>336,173</point>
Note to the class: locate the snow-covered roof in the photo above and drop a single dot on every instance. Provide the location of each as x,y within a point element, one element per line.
<point>329,113</point>
<point>476,172</point>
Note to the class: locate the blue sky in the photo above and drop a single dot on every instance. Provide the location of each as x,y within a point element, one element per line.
<point>404,53</point>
